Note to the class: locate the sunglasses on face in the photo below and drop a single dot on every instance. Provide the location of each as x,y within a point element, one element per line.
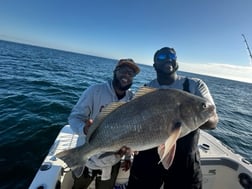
<point>124,70</point>
<point>166,57</point>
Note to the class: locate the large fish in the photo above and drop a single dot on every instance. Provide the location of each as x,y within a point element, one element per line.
<point>152,118</point>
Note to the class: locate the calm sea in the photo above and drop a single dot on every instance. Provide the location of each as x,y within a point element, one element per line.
<point>39,86</point>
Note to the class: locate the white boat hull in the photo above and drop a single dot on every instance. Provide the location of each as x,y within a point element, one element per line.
<point>222,169</point>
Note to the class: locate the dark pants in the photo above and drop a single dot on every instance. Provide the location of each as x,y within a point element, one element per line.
<point>145,171</point>
<point>184,173</point>
<point>86,178</point>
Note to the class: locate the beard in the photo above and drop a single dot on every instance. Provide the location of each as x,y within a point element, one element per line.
<point>117,84</point>
<point>166,69</point>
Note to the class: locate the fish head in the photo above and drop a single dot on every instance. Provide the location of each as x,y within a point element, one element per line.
<point>195,111</point>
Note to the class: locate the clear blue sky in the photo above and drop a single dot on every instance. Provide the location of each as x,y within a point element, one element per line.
<point>201,31</point>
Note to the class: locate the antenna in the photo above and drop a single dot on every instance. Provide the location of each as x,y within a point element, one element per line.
<point>247,46</point>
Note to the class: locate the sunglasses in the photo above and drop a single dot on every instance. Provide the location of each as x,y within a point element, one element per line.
<point>166,57</point>
<point>124,70</point>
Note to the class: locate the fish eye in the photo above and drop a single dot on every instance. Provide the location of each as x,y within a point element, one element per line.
<point>177,124</point>
<point>204,105</point>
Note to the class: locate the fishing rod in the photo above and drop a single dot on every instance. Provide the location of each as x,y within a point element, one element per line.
<point>247,48</point>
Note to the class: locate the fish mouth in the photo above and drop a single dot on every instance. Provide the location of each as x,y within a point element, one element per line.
<point>209,107</point>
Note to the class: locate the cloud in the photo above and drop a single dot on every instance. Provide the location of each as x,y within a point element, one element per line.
<point>227,71</point>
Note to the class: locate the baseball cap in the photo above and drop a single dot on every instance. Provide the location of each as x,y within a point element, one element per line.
<point>128,62</point>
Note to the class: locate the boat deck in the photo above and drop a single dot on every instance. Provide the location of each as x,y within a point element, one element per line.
<point>221,167</point>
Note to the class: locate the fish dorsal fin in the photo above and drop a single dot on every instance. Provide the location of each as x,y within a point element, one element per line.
<point>101,116</point>
<point>144,90</point>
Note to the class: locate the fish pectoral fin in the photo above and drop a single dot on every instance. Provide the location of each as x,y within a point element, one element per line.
<point>105,159</point>
<point>161,150</point>
<point>167,151</point>
<point>168,159</point>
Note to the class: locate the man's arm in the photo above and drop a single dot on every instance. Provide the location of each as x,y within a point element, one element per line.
<point>205,93</point>
<point>81,112</point>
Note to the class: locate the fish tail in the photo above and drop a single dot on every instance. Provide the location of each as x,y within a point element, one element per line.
<point>78,171</point>
<point>74,159</point>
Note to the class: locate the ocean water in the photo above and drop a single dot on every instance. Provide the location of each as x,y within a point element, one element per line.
<point>39,87</point>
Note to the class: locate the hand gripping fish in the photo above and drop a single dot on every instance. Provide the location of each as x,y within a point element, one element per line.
<point>154,117</point>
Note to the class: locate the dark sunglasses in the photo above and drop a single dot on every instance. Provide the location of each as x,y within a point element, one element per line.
<point>124,70</point>
<point>166,57</point>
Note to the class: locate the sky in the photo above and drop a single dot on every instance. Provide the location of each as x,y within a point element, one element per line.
<point>206,34</point>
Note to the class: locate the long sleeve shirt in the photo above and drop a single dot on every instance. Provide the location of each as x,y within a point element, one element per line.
<point>91,102</point>
<point>89,105</point>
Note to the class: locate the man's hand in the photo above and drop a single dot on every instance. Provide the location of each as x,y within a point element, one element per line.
<point>124,151</point>
<point>126,164</point>
<point>88,123</point>
<point>127,161</point>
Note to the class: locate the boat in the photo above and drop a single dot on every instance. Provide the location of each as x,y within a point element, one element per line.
<point>222,168</point>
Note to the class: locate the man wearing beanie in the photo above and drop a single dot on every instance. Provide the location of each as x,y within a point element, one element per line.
<point>185,171</point>
<point>89,105</point>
